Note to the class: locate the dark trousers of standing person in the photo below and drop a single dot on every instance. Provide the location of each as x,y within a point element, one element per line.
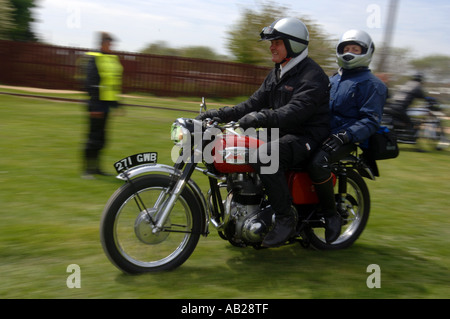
<point>96,141</point>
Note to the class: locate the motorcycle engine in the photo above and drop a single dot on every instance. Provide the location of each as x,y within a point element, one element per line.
<point>246,222</point>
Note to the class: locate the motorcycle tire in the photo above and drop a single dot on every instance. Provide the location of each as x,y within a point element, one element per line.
<point>354,210</point>
<point>126,232</point>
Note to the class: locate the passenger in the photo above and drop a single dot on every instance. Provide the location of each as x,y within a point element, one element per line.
<point>357,98</point>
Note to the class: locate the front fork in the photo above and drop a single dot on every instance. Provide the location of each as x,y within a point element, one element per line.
<point>174,192</point>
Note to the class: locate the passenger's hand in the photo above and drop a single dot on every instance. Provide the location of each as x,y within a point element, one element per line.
<point>335,141</point>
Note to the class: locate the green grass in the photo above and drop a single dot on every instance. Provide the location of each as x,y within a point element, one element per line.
<point>49,219</point>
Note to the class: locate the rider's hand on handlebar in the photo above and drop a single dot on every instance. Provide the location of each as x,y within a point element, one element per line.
<point>253,119</point>
<point>211,114</point>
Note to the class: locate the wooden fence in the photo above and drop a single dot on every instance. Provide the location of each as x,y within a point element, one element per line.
<point>54,67</point>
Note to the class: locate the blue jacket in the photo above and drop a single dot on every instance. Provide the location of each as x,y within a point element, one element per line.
<point>357,99</point>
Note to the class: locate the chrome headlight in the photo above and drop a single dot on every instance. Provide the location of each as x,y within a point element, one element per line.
<point>178,133</point>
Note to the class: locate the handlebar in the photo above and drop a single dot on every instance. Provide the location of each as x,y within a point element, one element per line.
<point>214,123</point>
<point>229,127</point>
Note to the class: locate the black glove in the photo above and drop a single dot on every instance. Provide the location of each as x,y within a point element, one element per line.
<point>335,141</point>
<point>223,115</point>
<point>210,114</point>
<point>253,119</point>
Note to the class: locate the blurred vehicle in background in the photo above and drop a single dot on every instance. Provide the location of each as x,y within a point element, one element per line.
<point>427,129</point>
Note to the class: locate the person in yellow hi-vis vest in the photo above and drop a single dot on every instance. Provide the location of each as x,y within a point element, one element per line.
<point>103,84</point>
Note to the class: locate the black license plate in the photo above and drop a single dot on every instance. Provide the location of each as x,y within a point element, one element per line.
<point>135,160</point>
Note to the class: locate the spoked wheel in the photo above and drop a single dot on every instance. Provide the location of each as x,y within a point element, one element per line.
<point>127,232</point>
<point>354,209</point>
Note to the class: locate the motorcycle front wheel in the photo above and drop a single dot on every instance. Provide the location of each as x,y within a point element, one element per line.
<point>354,208</point>
<point>126,226</point>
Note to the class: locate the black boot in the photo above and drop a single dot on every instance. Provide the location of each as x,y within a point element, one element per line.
<point>283,230</point>
<point>332,227</point>
<point>90,168</point>
<point>325,193</point>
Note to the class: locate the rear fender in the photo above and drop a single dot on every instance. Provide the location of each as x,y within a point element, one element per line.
<point>369,169</point>
<point>366,167</point>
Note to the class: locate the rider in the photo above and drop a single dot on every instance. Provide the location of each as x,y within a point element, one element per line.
<point>403,98</point>
<point>357,98</point>
<point>294,98</point>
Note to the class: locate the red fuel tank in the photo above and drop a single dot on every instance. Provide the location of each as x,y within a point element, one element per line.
<point>231,153</point>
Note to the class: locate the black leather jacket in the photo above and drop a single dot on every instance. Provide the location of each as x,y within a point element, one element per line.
<point>297,103</point>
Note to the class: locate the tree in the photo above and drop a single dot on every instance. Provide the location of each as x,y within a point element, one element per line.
<point>200,52</point>
<point>22,19</point>
<point>6,19</point>
<point>244,35</point>
<point>435,67</point>
<point>321,47</point>
<point>398,63</point>
<point>159,48</point>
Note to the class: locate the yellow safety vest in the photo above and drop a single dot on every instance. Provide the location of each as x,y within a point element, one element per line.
<point>110,70</point>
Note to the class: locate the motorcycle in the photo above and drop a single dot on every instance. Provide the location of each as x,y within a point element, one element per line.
<point>154,221</point>
<point>427,131</point>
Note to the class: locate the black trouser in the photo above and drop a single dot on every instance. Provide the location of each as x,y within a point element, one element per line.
<point>96,138</point>
<point>293,151</point>
<point>319,169</point>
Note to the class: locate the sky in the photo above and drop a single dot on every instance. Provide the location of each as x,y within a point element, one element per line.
<point>421,25</point>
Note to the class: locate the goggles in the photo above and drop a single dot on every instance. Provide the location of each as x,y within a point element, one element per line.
<point>270,33</point>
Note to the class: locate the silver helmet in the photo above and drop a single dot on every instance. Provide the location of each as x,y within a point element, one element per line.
<point>292,31</point>
<point>350,60</point>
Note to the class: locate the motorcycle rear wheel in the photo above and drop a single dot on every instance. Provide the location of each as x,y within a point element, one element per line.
<point>354,210</point>
<point>126,232</point>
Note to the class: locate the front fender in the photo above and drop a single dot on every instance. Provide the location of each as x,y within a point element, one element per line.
<point>147,169</point>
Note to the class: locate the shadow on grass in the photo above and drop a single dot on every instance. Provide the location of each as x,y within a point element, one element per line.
<point>293,272</point>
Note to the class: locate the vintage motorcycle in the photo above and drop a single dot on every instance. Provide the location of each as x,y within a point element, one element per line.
<point>154,221</point>
<point>428,131</point>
